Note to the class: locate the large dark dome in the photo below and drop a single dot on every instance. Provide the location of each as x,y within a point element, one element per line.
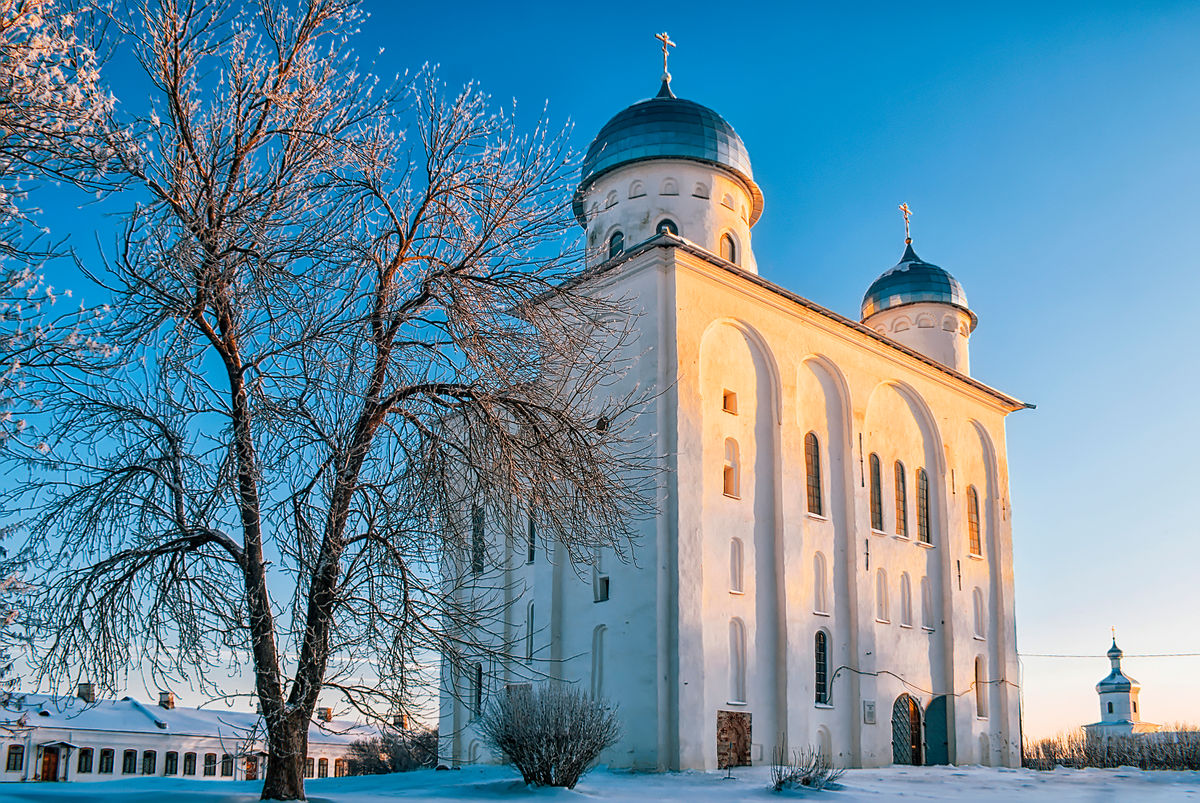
<point>667,127</point>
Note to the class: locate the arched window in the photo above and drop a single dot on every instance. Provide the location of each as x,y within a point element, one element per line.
<point>323,768</point>
<point>531,541</point>
<point>737,661</point>
<point>598,662</point>
<point>226,766</point>
<point>667,226</point>
<point>477,545</point>
<point>616,245</point>
<point>923,507</point>
<point>610,200</point>
<point>477,690</point>
<point>905,600</point>
<point>529,624</point>
<point>977,597</point>
<point>736,563</point>
<point>129,762</point>
<point>821,660</point>
<point>171,763</point>
<point>980,688</point>
<point>85,759</point>
<point>820,602</point>
<point>189,763</point>
<point>876,493</point>
<point>812,470</point>
<point>637,189</point>
<point>901,500</point>
<point>973,521</point>
<point>728,249</point>
<point>926,605</point>
<point>730,481</point>
<point>881,596</point>
<point>1110,708</point>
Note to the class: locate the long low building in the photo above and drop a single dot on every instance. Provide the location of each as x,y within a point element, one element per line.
<point>60,738</point>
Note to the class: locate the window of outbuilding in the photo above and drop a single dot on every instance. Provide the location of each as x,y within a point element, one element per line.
<point>149,762</point>
<point>226,765</point>
<point>107,758</point>
<point>15,762</point>
<point>309,767</point>
<point>129,762</point>
<point>210,763</point>
<point>189,763</point>
<point>171,763</point>
<point>86,755</point>
<point>323,768</point>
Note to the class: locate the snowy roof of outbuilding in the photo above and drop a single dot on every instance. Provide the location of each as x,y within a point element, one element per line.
<point>128,715</point>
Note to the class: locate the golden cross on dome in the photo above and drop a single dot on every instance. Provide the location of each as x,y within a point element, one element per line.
<point>904,210</point>
<point>666,42</point>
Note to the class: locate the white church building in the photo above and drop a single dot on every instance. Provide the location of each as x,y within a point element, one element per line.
<point>831,561</point>
<point>1118,692</point>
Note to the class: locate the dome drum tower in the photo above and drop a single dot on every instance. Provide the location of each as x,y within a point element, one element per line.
<point>668,164</point>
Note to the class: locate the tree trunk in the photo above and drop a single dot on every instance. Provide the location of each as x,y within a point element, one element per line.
<point>288,749</point>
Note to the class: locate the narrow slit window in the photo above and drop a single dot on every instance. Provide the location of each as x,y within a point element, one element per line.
<point>876,493</point>
<point>477,547</point>
<point>735,565</point>
<point>973,521</point>
<point>820,600</point>
<point>812,470</point>
<point>728,249</point>
<point>821,659</point>
<point>730,481</point>
<point>737,661</point>
<point>923,507</point>
<point>881,596</point>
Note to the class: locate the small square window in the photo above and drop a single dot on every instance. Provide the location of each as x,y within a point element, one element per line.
<point>729,402</point>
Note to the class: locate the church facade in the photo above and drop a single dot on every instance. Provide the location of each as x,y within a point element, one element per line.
<point>831,562</point>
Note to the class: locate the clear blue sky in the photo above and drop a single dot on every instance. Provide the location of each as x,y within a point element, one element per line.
<point>1050,153</point>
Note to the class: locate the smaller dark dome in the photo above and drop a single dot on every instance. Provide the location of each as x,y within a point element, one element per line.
<point>911,281</point>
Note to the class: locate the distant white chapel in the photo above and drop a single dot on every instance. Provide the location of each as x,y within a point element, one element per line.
<point>831,562</point>
<point>1119,714</point>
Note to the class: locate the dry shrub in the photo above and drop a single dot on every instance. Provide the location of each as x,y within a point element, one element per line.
<point>1177,749</point>
<point>807,768</point>
<point>552,733</point>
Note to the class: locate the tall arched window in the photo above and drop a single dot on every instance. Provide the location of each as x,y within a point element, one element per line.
<point>821,661</point>
<point>876,493</point>
<point>820,600</point>
<point>812,469</point>
<point>667,226</point>
<point>477,690</point>
<point>926,605</point>
<point>529,624</point>
<point>901,500</point>
<point>905,600</point>
<point>973,521</point>
<point>923,507</point>
<point>977,598</point>
<point>736,562</point>
<point>730,481</point>
<point>737,661</point>
<point>881,596</point>
<point>598,662</point>
<point>980,688</point>
<point>728,249</point>
<point>478,549</point>
<point>616,244</point>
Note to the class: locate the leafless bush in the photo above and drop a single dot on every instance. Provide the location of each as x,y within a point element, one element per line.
<point>552,733</point>
<point>808,767</point>
<point>393,751</point>
<point>1177,749</point>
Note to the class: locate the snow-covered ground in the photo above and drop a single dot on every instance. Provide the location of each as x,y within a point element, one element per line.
<point>602,786</point>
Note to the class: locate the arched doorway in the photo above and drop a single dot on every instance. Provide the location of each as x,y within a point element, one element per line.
<point>906,731</point>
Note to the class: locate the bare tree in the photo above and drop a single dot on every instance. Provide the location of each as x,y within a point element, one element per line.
<point>54,117</point>
<point>348,322</point>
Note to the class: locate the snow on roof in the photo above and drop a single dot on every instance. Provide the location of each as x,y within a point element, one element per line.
<point>128,715</point>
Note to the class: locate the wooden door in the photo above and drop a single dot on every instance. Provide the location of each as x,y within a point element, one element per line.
<point>733,739</point>
<point>937,731</point>
<point>251,768</point>
<point>49,764</point>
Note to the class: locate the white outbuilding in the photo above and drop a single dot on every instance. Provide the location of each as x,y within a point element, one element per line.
<point>1119,714</point>
<point>58,738</point>
<point>831,560</point>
